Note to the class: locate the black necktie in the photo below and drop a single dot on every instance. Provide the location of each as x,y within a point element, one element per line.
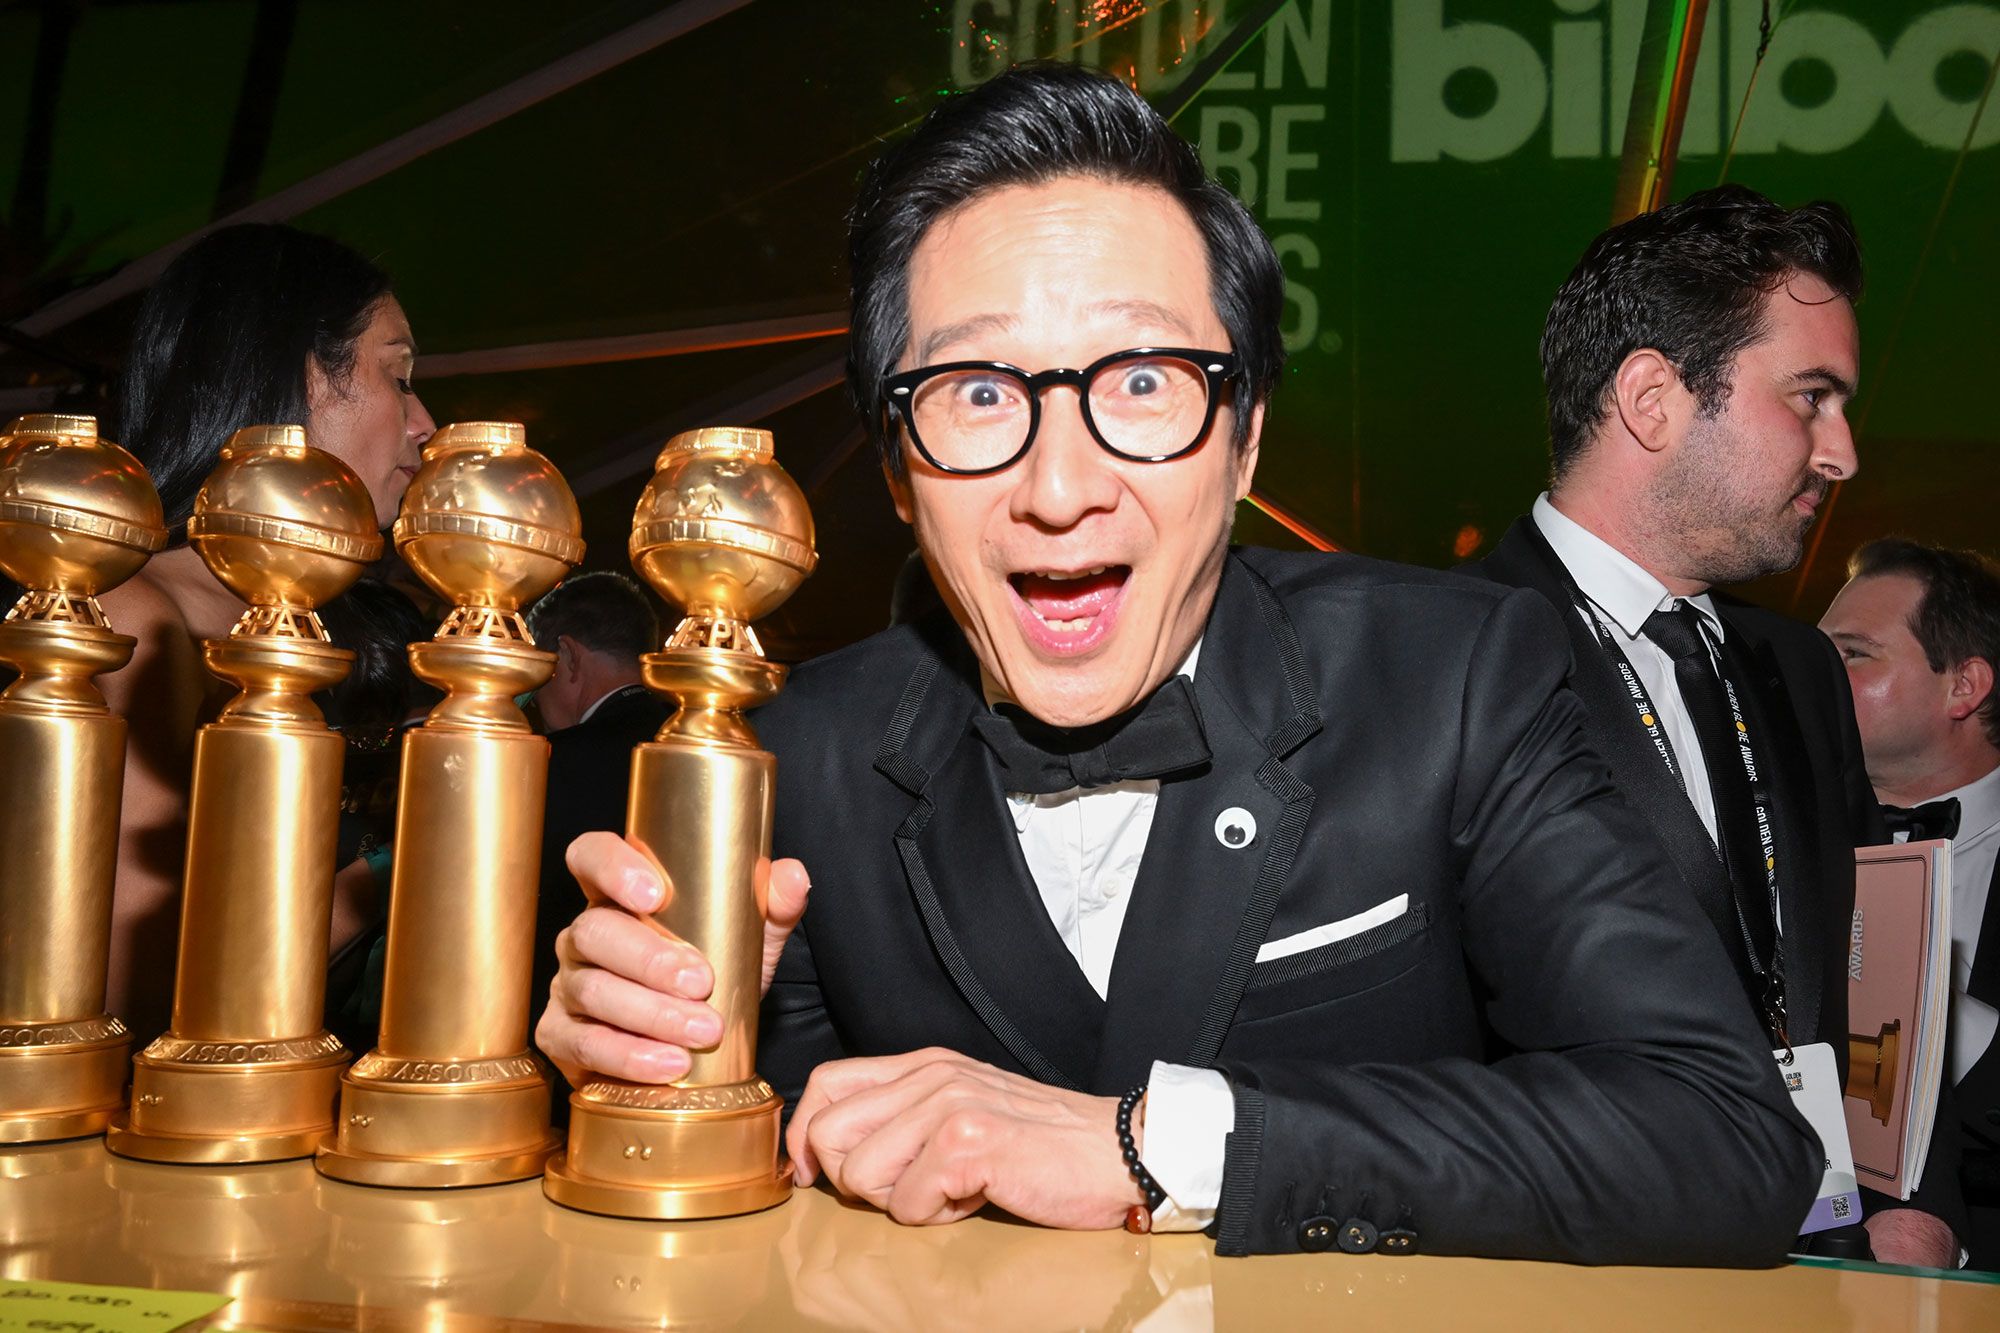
<point>1932,819</point>
<point>1163,735</point>
<point>1738,843</point>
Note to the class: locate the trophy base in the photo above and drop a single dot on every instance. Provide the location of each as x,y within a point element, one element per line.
<point>671,1153</point>
<point>401,1126</point>
<point>53,1089</point>
<point>220,1103</point>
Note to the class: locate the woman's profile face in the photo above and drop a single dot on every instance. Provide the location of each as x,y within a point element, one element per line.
<point>373,422</point>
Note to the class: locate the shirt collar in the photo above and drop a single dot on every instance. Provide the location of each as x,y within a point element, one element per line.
<point>602,700</point>
<point>1612,580</point>
<point>991,687</point>
<point>1978,805</point>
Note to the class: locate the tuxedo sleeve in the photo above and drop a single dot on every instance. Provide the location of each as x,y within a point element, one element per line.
<point>795,1033</point>
<point>1638,1117</point>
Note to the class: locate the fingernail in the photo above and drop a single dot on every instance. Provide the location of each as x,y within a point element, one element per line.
<point>645,889</point>
<point>691,981</point>
<point>666,1067</point>
<point>705,1029</point>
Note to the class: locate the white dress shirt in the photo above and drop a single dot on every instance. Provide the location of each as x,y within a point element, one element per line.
<point>1624,595</point>
<point>1973,852</point>
<point>1083,848</point>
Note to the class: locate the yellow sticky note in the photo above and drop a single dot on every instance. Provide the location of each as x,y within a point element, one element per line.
<point>76,1307</point>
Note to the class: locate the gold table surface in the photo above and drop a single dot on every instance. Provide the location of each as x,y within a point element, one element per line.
<point>301,1252</point>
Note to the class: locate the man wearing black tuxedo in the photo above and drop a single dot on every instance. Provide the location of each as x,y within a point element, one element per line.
<point>1304,855</point>
<point>594,710</point>
<point>1919,629</point>
<point>1698,362</point>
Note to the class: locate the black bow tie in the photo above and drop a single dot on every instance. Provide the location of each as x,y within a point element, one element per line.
<point>1163,735</point>
<point>1933,819</point>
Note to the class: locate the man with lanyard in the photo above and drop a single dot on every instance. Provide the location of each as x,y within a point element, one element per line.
<point>1698,361</point>
<point>1919,628</point>
<point>1162,884</point>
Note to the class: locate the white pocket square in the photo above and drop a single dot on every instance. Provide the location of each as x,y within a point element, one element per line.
<point>1335,930</point>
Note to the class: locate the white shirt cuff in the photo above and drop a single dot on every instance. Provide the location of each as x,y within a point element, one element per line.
<point>1189,1115</point>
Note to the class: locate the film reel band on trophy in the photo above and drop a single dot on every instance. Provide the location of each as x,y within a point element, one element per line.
<point>453,1094</point>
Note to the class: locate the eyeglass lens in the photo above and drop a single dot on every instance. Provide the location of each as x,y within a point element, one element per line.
<point>1146,407</point>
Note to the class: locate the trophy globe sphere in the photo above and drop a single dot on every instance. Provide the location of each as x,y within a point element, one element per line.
<point>722,530</point>
<point>281,523</point>
<point>487,521</point>
<point>78,514</point>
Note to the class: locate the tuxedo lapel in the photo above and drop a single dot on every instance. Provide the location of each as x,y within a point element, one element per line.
<point>1525,559</point>
<point>971,884</point>
<point>1985,982</point>
<point>1786,780</point>
<point>1201,906</point>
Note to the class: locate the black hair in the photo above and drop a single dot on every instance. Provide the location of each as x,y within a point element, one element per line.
<point>1958,616</point>
<point>606,612</point>
<point>222,340</point>
<point>377,622</point>
<point>1032,124</point>
<point>1688,281</point>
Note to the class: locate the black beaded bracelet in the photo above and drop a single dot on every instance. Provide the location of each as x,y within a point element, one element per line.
<point>1155,1196</point>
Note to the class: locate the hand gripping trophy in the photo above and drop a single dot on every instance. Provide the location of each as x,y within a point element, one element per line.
<point>725,532</point>
<point>452,1095</point>
<point>78,516</point>
<point>248,1072</point>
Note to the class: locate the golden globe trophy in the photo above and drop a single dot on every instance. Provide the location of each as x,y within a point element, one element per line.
<point>248,1072</point>
<point>78,516</point>
<point>453,1095</point>
<point>722,530</point>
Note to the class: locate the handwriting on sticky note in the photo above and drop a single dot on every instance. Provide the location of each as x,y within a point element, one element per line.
<point>74,1307</point>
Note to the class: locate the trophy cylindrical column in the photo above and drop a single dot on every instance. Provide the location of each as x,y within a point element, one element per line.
<point>55,877</point>
<point>451,891</point>
<point>452,1094</point>
<point>248,1072</point>
<point>78,516</point>
<point>702,809</point>
<point>258,899</point>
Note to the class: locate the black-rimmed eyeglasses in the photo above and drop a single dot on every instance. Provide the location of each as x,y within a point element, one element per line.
<point>1148,404</point>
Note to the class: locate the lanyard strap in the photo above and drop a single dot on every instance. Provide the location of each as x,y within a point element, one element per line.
<point>1770,977</point>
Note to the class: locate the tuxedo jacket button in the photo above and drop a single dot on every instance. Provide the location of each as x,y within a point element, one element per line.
<point>1398,1240</point>
<point>1316,1234</point>
<point>1357,1235</point>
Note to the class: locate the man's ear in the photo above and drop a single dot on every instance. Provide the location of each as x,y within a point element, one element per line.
<point>899,494</point>
<point>569,658</point>
<point>1971,686</point>
<point>1246,457</point>
<point>1642,394</point>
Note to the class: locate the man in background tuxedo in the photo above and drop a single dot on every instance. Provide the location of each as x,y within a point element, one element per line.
<point>1281,847</point>
<point>594,710</point>
<point>1919,629</point>
<point>1698,362</point>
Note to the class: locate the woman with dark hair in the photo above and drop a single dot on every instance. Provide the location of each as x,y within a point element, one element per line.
<point>252,325</point>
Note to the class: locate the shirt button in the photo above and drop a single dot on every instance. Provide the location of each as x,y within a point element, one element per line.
<point>1236,827</point>
<point>1357,1236</point>
<point>1316,1234</point>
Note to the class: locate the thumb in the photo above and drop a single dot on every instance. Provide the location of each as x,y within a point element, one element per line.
<point>783,906</point>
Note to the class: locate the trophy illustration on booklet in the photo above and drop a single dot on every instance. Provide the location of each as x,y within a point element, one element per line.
<point>78,516</point>
<point>248,1072</point>
<point>723,531</point>
<point>452,1095</point>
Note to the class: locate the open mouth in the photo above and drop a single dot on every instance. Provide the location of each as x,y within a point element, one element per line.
<point>1069,611</point>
